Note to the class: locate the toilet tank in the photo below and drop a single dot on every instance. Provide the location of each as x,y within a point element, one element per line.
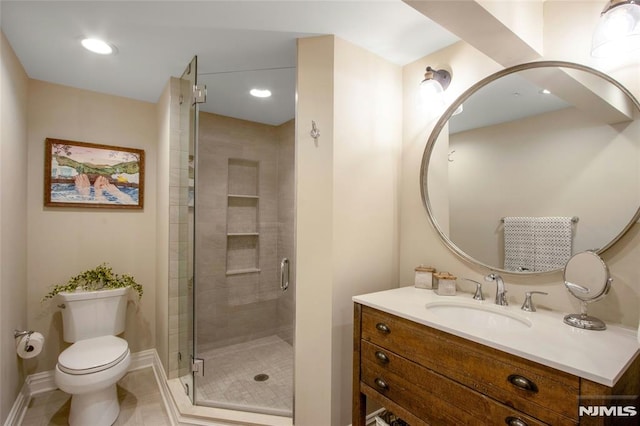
<point>87,314</point>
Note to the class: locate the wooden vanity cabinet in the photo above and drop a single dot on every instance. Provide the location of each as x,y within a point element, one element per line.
<point>429,377</point>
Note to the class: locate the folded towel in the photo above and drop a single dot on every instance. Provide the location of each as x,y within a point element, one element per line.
<point>537,244</point>
<point>554,241</point>
<point>519,244</point>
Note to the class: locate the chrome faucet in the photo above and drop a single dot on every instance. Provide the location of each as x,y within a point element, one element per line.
<point>478,294</point>
<point>528,305</point>
<point>501,293</point>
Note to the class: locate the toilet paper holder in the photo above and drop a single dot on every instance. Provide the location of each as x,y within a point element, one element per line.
<point>17,334</point>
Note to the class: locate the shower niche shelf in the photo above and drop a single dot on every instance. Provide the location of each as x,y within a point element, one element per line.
<point>243,196</point>
<point>243,234</point>
<point>242,252</point>
<point>242,215</point>
<point>243,271</point>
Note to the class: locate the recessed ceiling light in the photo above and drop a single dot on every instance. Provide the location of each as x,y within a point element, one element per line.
<point>545,92</point>
<point>97,46</point>
<point>260,93</point>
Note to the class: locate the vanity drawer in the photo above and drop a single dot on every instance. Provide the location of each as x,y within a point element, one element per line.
<point>552,395</point>
<point>431,396</point>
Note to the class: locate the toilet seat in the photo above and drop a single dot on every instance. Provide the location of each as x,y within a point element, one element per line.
<point>93,355</point>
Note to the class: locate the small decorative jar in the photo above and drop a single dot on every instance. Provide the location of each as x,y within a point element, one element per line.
<point>424,277</point>
<point>446,284</point>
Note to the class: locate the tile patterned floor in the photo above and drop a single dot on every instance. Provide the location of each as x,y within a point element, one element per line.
<point>140,404</point>
<point>230,371</point>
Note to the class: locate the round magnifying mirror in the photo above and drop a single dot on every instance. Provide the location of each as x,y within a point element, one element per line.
<point>587,278</point>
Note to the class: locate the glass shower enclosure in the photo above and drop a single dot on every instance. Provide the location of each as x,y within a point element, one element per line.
<point>241,226</point>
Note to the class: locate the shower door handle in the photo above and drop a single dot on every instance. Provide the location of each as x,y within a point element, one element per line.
<point>284,274</point>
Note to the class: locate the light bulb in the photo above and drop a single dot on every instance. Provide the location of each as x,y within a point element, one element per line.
<point>97,46</point>
<point>260,93</point>
<point>617,32</point>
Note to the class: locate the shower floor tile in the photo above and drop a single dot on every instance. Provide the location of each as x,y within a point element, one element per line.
<point>230,372</point>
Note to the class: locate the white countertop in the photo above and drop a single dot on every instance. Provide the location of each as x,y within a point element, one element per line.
<point>600,356</point>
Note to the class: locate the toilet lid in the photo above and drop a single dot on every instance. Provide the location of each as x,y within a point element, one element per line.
<point>92,355</point>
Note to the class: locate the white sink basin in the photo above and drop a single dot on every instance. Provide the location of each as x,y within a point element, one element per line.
<point>477,315</point>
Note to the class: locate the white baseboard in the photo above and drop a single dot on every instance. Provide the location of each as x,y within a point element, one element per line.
<point>144,359</point>
<point>19,407</point>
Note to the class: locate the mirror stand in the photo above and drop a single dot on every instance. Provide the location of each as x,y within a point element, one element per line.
<point>582,320</point>
<point>587,278</point>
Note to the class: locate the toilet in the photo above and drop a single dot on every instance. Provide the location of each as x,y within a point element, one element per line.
<point>97,359</point>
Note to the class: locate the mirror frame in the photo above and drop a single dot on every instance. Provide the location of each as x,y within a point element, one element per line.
<point>448,113</point>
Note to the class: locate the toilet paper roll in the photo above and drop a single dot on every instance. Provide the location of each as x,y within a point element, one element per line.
<point>29,346</point>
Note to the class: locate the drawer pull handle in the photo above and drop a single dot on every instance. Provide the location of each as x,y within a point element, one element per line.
<point>522,383</point>
<point>381,383</point>
<point>383,328</point>
<point>514,421</point>
<point>382,357</point>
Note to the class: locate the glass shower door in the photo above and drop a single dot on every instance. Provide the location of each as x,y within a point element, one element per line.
<point>244,258</point>
<point>185,175</point>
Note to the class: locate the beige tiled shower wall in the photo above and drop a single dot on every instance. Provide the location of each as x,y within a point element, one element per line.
<point>233,308</point>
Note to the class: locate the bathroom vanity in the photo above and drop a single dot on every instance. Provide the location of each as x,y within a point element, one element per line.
<point>438,360</point>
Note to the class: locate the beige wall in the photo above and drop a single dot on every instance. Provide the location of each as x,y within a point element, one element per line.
<point>314,232</point>
<point>13,224</point>
<point>420,243</point>
<point>346,211</point>
<point>65,241</point>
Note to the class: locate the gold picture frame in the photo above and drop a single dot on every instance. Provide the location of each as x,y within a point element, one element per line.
<point>82,174</point>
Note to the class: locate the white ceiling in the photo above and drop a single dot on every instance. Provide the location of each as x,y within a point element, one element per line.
<point>232,39</point>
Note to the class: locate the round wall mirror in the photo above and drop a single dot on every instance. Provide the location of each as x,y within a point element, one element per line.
<point>541,163</point>
<point>587,278</point>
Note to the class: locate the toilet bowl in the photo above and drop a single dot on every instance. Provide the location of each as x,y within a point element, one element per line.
<point>97,359</point>
<point>89,370</point>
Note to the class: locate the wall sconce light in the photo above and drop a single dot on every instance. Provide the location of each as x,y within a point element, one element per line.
<point>435,81</point>
<point>618,30</point>
<point>432,88</point>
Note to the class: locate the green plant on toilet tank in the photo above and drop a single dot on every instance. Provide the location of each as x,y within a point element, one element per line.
<point>101,277</point>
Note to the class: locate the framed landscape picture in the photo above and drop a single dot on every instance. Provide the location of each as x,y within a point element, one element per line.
<point>81,174</point>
